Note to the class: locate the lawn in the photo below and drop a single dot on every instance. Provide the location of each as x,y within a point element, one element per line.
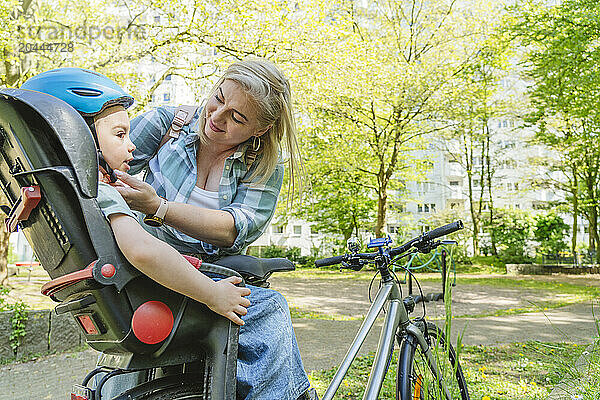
<point>514,371</point>
<point>507,372</point>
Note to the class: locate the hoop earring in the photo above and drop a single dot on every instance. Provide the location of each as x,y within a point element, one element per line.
<point>251,153</point>
<point>256,142</point>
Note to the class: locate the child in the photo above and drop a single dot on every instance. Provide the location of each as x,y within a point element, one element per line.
<point>102,103</point>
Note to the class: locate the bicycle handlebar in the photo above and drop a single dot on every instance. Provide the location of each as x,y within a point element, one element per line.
<point>417,242</point>
<point>443,230</point>
<point>329,261</point>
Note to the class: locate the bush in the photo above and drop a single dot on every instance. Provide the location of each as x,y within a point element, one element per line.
<point>550,231</point>
<point>511,229</point>
<point>293,254</point>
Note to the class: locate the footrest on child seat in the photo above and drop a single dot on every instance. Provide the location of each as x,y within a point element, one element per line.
<point>56,285</point>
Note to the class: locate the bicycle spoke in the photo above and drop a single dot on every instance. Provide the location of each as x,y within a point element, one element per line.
<point>422,383</point>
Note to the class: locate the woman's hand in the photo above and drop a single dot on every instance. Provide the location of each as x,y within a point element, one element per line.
<point>229,300</point>
<point>138,194</point>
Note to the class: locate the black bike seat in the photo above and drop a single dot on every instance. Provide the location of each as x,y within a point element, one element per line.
<point>255,270</point>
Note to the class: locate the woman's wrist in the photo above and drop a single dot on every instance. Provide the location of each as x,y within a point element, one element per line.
<point>154,205</point>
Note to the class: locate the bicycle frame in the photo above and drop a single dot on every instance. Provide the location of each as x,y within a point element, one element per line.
<point>396,317</point>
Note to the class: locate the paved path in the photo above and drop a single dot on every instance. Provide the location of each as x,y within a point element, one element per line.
<point>323,343</point>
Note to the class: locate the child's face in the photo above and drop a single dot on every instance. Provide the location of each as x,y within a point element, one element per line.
<point>112,128</point>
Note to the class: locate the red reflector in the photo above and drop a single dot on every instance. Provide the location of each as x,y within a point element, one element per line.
<point>81,393</point>
<point>152,322</point>
<point>88,324</point>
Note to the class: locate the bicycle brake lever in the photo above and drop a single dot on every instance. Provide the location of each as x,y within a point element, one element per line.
<point>427,246</point>
<point>354,263</point>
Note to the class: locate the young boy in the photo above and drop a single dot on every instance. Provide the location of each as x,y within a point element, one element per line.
<point>103,105</point>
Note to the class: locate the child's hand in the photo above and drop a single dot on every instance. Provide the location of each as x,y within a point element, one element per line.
<point>228,300</point>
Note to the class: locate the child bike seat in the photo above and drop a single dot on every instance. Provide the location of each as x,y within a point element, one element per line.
<point>49,174</point>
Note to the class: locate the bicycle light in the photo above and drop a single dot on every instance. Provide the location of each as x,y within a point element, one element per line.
<point>353,245</point>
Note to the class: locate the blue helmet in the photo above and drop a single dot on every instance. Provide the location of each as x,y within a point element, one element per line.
<point>86,91</point>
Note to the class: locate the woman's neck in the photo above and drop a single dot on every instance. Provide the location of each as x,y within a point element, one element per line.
<point>212,152</point>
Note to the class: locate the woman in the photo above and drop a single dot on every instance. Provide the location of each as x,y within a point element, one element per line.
<point>221,179</point>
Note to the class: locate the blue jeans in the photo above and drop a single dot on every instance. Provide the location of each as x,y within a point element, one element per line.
<point>269,365</point>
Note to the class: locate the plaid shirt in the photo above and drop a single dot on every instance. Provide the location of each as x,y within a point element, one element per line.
<point>172,173</point>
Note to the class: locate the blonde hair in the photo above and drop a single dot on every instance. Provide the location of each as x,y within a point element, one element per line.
<point>270,92</point>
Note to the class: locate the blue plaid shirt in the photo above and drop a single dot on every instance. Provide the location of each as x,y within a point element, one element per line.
<point>172,173</point>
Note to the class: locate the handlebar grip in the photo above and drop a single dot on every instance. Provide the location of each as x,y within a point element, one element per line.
<point>329,261</point>
<point>443,230</point>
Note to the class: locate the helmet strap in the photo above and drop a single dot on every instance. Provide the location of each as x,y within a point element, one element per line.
<point>102,164</point>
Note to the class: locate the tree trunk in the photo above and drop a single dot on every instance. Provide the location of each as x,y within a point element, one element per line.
<point>381,209</point>
<point>4,246</point>
<point>575,211</point>
<point>489,187</point>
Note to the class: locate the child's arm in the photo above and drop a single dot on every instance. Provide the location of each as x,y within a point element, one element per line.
<point>165,265</point>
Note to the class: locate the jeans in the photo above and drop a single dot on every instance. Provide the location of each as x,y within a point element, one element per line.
<point>269,365</point>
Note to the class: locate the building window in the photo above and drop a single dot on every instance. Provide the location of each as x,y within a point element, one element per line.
<point>455,206</point>
<point>277,228</point>
<point>427,207</point>
<point>297,230</point>
<point>157,19</point>
<point>393,229</point>
<point>167,97</point>
<point>454,183</point>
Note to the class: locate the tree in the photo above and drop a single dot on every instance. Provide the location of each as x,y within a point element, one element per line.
<point>512,229</point>
<point>477,98</point>
<point>390,68</point>
<point>338,199</point>
<point>549,231</point>
<point>561,62</point>
<point>4,247</point>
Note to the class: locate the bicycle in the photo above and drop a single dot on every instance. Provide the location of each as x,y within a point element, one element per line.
<point>428,367</point>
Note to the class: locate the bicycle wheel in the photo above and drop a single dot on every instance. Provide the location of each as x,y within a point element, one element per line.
<point>177,387</point>
<point>416,380</point>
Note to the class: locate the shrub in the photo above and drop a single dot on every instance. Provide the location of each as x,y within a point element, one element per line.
<point>511,229</point>
<point>550,231</point>
<point>293,254</point>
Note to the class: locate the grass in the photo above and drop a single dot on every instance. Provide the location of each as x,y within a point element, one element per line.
<point>27,287</point>
<point>516,371</point>
<point>297,312</point>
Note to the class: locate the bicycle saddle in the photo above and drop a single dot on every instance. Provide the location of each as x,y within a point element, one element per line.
<point>255,270</point>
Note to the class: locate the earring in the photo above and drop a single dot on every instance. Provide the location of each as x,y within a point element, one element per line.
<point>256,143</point>
<point>251,153</point>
